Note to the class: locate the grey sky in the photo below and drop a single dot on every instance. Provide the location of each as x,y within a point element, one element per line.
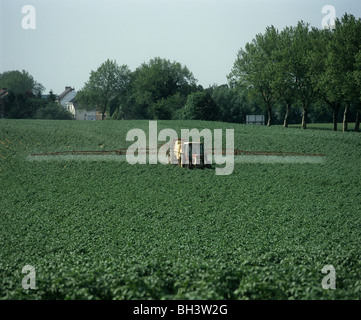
<point>74,37</point>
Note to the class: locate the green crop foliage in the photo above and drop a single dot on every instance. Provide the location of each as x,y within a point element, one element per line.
<point>110,230</point>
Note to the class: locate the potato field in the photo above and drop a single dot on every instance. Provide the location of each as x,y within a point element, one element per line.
<point>100,228</point>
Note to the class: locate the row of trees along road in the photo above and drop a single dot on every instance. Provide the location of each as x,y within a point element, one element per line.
<point>303,66</point>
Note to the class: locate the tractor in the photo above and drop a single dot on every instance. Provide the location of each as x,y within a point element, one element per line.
<point>189,154</point>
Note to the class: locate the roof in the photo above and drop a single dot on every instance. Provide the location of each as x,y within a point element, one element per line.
<point>65,93</point>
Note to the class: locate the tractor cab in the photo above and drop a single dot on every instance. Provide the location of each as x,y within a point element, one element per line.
<point>188,154</point>
<point>192,155</point>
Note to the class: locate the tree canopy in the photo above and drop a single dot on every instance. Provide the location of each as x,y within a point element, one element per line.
<point>255,70</point>
<point>161,87</point>
<point>302,65</point>
<point>105,84</point>
<point>201,106</point>
<point>20,82</point>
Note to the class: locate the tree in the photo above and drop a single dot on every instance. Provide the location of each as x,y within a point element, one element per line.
<point>306,91</point>
<point>51,96</point>
<point>158,82</point>
<point>201,106</point>
<point>53,111</point>
<point>226,99</point>
<point>22,91</point>
<point>233,104</point>
<point>167,108</point>
<point>255,70</point>
<point>113,105</point>
<point>284,83</point>
<point>20,82</point>
<point>318,68</point>
<point>105,84</point>
<point>357,76</point>
<point>341,62</point>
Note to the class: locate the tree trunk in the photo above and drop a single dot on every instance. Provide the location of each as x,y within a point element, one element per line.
<point>287,115</point>
<point>103,116</point>
<point>358,116</point>
<point>269,111</point>
<point>345,116</point>
<point>304,118</point>
<point>336,108</point>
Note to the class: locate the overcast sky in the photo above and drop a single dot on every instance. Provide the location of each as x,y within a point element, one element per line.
<point>74,37</point>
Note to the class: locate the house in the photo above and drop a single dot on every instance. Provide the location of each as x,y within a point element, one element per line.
<point>80,113</point>
<point>68,100</point>
<point>67,95</point>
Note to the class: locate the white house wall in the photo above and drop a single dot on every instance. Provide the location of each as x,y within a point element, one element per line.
<point>83,114</point>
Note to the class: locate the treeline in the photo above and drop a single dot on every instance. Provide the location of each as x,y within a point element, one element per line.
<point>164,90</point>
<point>299,74</point>
<point>306,68</point>
<point>161,90</point>
<point>21,98</point>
